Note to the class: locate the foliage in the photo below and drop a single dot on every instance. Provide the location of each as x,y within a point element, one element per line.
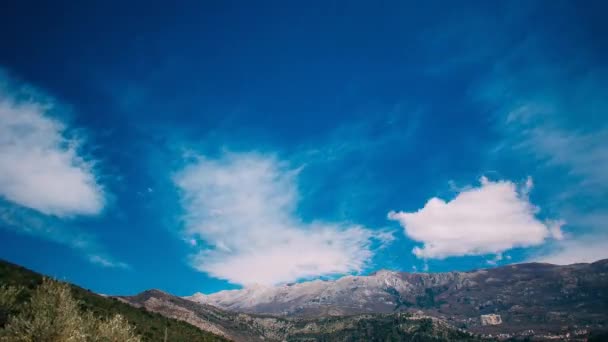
<point>52,314</point>
<point>8,302</point>
<point>108,330</point>
<point>8,296</point>
<point>385,328</point>
<point>24,284</point>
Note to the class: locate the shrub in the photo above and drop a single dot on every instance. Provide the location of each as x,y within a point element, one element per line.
<point>53,315</point>
<point>115,329</point>
<point>8,302</point>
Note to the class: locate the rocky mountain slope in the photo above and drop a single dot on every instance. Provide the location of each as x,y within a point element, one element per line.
<point>253,327</point>
<point>519,298</point>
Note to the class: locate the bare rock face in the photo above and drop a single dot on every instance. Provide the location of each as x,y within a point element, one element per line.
<point>490,319</point>
<point>380,292</point>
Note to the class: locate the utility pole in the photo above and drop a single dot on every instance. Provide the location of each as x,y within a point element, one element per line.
<point>165,334</point>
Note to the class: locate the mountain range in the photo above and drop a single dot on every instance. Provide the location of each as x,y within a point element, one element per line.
<point>544,298</point>
<point>520,301</point>
<point>243,327</point>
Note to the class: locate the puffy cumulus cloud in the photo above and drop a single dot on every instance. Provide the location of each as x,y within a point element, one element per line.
<point>40,167</point>
<point>489,219</point>
<point>242,206</point>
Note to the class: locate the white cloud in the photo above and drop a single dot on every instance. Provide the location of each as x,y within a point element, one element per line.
<point>489,219</point>
<point>243,207</point>
<point>40,167</point>
<point>43,179</point>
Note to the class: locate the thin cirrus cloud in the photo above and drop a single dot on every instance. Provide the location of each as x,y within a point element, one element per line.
<point>555,124</point>
<point>489,219</point>
<point>242,206</point>
<point>106,262</point>
<point>40,167</point>
<point>28,221</point>
<point>587,248</point>
<point>553,116</point>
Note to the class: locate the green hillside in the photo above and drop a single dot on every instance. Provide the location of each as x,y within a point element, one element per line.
<point>150,326</point>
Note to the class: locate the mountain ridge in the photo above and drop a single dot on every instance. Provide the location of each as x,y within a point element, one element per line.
<point>383,270</point>
<point>537,296</point>
<point>256,327</point>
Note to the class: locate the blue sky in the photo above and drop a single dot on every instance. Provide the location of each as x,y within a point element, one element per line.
<point>203,146</point>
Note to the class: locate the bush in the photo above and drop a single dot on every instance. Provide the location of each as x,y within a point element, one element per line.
<point>53,315</point>
<point>8,302</point>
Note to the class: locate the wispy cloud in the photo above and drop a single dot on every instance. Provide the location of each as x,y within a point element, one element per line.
<point>554,117</point>
<point>40,166</point>
<point>383,129</point>
<point>558,123</point>
<point>28,221</point>
<point>585,241</point>
<point>106,262</point>
<point>489,219</point>
<point>581,248</point>
<point>243,208</point>
<point>45,181</point>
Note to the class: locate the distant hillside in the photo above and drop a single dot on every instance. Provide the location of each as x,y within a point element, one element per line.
<point>247,327</point>
<point>151,326</point>
<point>532,297</point>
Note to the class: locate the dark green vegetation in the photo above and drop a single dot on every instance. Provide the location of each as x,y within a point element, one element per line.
<point>380,328</point>
<point>150,326</point>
